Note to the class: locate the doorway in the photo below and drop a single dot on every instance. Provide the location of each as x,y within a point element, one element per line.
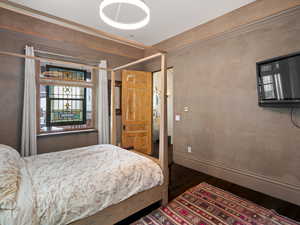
<point>156,111</point>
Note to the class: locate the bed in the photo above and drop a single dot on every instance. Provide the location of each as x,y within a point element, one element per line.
<point>99,184</point>
<point>32,189</point>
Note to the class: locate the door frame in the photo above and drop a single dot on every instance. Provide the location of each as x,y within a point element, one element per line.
<point>157,71</point>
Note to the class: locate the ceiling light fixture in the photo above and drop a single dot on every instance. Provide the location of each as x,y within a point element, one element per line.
<point>125,26</point>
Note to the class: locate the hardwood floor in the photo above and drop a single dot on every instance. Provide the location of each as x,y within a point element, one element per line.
<point>183,178</point>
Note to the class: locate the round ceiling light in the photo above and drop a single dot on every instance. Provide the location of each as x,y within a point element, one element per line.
<point>125,26</point>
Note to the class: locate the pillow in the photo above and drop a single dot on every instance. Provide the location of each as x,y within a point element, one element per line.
<point>9,176</point>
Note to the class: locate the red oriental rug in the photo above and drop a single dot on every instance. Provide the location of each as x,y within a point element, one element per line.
<point>205,204</point>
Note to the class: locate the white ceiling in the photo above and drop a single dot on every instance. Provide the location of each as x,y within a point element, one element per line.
<point>168,17</point>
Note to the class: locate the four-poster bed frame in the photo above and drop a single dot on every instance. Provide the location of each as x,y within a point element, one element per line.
<point>122,210</point>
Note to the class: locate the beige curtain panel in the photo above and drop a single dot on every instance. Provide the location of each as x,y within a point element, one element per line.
<point>28,142</point>
<point>102,109</point>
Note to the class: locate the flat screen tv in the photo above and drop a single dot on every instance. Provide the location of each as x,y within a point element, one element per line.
<point>278,81</point>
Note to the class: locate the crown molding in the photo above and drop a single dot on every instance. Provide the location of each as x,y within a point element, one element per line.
<point>243,29</point>
<point>18,8</point>
<point>37,28</point>
<point>248,15</point>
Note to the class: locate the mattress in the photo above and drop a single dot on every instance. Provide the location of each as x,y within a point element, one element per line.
<point>70,185</point>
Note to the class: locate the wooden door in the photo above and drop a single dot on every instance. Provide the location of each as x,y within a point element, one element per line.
<point>137,110</point>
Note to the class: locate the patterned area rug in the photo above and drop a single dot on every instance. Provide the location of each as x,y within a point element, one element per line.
<point>205,204</point>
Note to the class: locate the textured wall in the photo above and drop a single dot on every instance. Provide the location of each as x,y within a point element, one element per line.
<point>11,90</point>
<point>231,136</point>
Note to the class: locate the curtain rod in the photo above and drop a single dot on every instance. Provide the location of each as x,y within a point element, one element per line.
<point>53,60</point>
<point>66,56</point>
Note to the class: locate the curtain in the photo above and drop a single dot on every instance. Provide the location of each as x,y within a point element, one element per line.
<point>28,139</point>
<point>103,118</point>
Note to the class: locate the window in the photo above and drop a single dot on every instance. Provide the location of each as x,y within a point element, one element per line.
<point>65,105</point>
<point>65,99</point>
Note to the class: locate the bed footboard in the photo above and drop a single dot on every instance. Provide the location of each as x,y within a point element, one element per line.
<point>124,209</point>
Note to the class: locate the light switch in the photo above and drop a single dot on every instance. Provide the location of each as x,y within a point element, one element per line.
<point>177,117</point>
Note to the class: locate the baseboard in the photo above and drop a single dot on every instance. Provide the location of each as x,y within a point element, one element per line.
<point>254,181</point>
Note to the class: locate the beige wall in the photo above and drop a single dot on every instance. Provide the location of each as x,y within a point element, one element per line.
<point>11,89</point>
<point>231,137</point>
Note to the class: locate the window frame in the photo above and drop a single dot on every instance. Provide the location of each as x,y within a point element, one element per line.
<point>45,81</point>
<point>69,123</point>
<point>49,99</point>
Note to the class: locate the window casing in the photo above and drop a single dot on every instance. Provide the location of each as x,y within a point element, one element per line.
<point>65,99</point>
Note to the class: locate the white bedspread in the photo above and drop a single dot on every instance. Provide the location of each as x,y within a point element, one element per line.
<point>71,185</point>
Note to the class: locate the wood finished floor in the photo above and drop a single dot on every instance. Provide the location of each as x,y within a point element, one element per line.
<point>183,178</point>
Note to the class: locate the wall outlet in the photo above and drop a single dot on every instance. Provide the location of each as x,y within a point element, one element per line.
<point>189,149</point>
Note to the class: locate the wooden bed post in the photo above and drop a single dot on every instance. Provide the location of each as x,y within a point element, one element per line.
<point>163,140</point>
<point>113,126</point>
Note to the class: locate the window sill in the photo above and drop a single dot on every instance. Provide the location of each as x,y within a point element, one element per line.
<point>66,132</point>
